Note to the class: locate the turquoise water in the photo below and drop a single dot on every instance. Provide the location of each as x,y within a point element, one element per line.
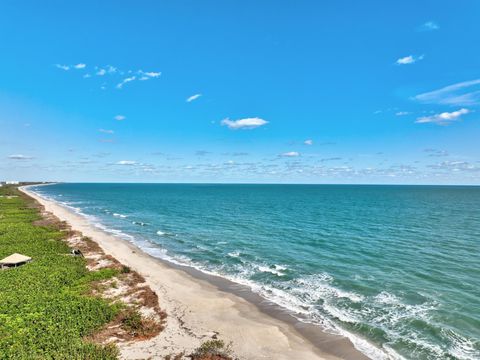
<point>394,268</point>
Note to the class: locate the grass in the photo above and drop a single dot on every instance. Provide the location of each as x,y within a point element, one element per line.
<point>45,312</point>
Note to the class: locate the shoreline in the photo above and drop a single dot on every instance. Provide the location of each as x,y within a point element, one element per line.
<point>205,303</point>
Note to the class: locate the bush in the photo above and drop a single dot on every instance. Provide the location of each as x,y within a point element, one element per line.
<point>213,349</point>
<point>132,321</point>
<point>138,326</point>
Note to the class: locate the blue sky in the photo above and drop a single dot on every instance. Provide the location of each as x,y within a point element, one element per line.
<point>240,91</point>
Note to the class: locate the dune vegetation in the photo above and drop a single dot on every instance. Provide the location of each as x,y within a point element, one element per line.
<point>45,309</point>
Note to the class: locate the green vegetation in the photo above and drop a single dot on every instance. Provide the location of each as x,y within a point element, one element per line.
<point>125,270</point>
<point>213,350</point>
<point>45,312</point>
<point>137,325</point>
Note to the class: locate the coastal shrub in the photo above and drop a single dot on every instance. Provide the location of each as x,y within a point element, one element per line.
<point>45,309</point>
<point>132,321</point>
<point>213,350</point>
<point>139,326</point>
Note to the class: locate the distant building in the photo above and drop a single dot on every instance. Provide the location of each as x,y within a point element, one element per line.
<point>12,182</point>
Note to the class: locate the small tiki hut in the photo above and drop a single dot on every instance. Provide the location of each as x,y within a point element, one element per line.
<point>14,260</point>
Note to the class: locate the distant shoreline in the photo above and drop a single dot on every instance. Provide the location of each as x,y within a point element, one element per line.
<point>25,184</point>
<point>256,328</point>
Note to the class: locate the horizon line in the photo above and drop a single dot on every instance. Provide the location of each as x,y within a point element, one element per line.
<point>240,183</point>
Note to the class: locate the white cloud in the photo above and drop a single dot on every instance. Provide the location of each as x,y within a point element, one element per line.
<point>147,75</point>
<point>406,60</point>
<point>63,67</point>
<point>462,93</point>
<point>20,157</point>
<point>429,26</point>
<point>126,80</point>
<point>290,154</point>
<point>126,162</point>
<point>409,59</point>
<point>444,118</point>
<point>402,113</point>
<point>106,131</point>
<point>152,74</point>
<point>114,73</point>
<point>308,142</point>
<point>435,152</point>
<point>119,117</point>
<point>68,67</point>
<point>455,166</point>
<point>193,97</point>
<point>248,123</point>
<point>111,69</point>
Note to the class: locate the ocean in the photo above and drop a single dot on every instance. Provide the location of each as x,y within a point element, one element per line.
<point>394,268</point>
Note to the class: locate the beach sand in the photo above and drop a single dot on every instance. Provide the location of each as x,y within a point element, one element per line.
<point>198,309</point>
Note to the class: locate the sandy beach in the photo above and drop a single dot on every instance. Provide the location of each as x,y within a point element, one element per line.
<point>199,309</point>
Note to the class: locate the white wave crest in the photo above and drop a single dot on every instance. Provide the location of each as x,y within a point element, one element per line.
<point>119,215</point>
<point>274,269</point>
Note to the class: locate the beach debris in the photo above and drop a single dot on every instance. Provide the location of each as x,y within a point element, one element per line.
<point>14,260</point>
